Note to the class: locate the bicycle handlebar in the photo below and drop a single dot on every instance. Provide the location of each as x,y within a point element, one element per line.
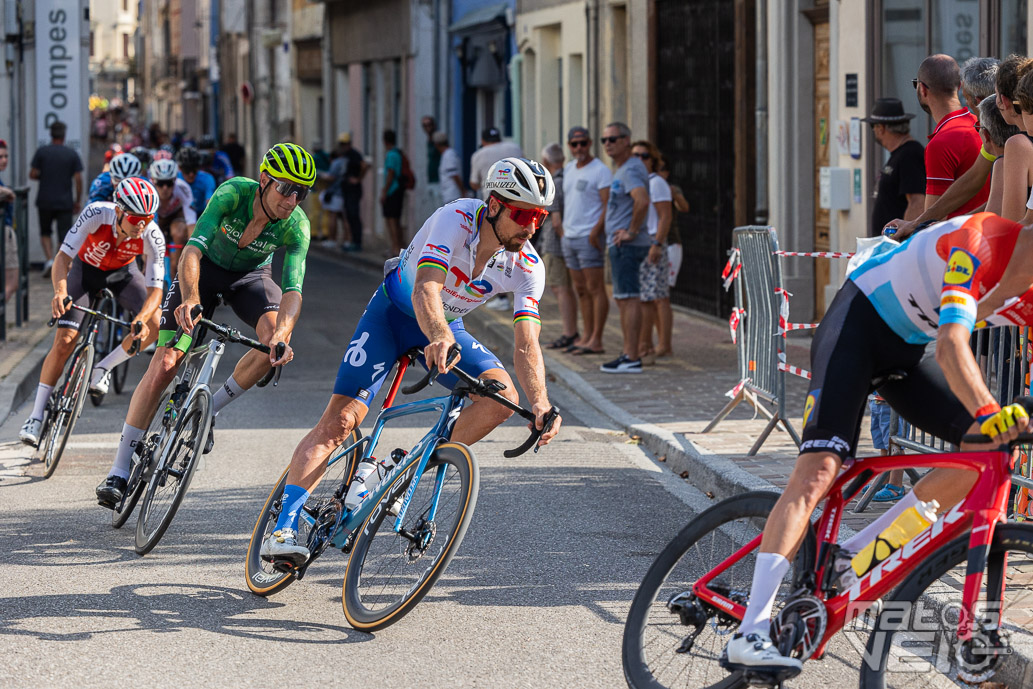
<point>230,334</point>
<point>491,389</point>
<point>135,327</point>
<point>1022,439</point>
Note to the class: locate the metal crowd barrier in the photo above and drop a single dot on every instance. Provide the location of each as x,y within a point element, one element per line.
<point>21,294</point>
<point>755,329</point>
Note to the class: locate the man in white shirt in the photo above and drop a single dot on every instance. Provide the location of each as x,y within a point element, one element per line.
<point>492,150</point>
<point>586,189</point>
<point>450,171</point>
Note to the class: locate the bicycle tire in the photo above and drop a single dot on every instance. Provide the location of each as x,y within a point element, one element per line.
<point>714,528</point>
<point>196,418</point>
<point>458,464</point>
<point>69,406</point>
<point>262,578</point>
<point>137,481</point>
<point>936,601</point>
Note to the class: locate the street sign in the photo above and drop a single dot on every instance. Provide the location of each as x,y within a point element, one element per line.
<point>59,94</point>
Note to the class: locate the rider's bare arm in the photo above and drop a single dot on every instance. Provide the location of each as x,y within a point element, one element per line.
<point>957,194</point>
<point>954,355</point>
<point>430,314</point>
<point>286,319</point>
<point>530,370</point>
<point>59,278</point>
<point>1017,277</point>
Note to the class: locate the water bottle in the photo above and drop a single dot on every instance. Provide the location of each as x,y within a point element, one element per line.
<point>905,527</point>
<point>362,484</point>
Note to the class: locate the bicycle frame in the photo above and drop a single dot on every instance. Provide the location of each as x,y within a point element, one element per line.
<point>416,460</point>
<point>993,469</point>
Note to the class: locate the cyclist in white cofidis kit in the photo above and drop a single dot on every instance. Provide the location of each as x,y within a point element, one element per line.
<point>100,251</point>
<point>467,252</point>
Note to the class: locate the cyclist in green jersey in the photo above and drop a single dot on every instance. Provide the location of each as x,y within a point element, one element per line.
<point>230,253</point>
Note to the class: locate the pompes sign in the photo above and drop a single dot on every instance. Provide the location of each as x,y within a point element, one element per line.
<point>59,95</point>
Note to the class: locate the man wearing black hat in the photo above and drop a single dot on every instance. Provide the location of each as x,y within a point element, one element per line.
<point>900,189</point>
<point>492,150</point>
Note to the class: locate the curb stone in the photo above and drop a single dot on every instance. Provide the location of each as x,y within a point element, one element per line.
<point>15,389</point>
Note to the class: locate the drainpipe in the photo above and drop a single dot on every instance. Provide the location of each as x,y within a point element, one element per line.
<point>761,114</point>
<point>214,68</point>
<point>516,80</point>
<point>592,16</point>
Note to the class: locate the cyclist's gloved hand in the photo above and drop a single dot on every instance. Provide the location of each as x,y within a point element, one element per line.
<point>995,423</point>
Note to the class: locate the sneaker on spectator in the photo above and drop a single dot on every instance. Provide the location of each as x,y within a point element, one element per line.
<point>622,364</point>
<point>47,266</point>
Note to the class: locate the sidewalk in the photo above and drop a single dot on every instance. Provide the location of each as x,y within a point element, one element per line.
<point>22,354</point>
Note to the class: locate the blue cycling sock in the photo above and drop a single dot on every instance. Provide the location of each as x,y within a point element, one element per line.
<point>294,498</point>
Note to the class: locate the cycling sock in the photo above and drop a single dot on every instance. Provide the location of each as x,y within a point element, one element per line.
<point>767,577</point>
<point>229,391</point>
<point>131,436</point>
<point>115,357</point>
<point>42,395</point>
<point>868,533</point>
<point>293,500</point>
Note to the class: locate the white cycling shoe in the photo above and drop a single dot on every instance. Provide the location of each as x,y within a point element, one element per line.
<point>29,433</point>
<point>282,544</point>
<point>755,653</point>
<point>102,383</point>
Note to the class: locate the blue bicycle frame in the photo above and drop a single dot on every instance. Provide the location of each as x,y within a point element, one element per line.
<point>416,460</point>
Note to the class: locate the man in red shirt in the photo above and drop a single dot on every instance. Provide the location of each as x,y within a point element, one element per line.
<point>954,144</point>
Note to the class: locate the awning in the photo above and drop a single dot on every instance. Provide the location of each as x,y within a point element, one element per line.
<point>476,19</point>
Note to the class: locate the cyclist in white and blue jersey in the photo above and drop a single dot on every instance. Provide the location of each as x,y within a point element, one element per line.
<point>467,252</point>
<point>123,166</point>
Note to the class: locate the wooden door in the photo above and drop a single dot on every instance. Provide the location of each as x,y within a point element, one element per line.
<point>822,239</point>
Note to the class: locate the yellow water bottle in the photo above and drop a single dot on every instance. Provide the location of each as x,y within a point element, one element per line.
<point>905,527</point>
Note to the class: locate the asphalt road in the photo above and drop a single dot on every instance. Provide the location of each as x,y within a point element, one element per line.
<point>536,596</point>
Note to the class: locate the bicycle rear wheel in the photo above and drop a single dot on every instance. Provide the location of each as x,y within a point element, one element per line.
<point>264,579</point>
<point>68,406</point>
<point>914,641</point>
<point>170,480</point>
<point>142,463</point>
<point>387,573</point>
<point>670,638</point>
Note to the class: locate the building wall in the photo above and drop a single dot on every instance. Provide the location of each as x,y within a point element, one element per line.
<point>109,66</point>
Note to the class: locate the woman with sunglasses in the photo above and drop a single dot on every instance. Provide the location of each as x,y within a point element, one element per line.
<point>467,252</point>
<point>176,216</point>
<point>230,253</point>
<point>100,251</point>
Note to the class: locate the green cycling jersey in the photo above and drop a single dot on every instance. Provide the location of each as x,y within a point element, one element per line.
<point>224,220</point>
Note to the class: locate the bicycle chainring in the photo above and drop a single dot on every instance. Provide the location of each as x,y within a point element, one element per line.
<point>331,511</point>
<point>799,626</point>
<point>978,657</point>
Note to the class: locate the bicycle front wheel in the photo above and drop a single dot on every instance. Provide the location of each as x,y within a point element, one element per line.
<point>914,641</point>
<point>68,406</point>
<point>170,480</point>
<point>264,579</point>
<point>121,372</point>
<point>670,638</point>
<point>389,572</point>
<point>136,484</point>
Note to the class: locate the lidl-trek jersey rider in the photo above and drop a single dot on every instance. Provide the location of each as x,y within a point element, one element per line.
<point>230,253</point>
<point>466,252</point>
<point>941,283</point>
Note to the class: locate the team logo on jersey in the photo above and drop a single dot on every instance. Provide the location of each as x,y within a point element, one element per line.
<point>478,288</point>
<point>529,260</point>
<point>961,268</point>
<point>439,249</point>
<point>808,407</point>
<point>468,216</point>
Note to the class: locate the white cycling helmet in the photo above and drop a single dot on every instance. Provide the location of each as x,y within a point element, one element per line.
<point>137,196</point>
<point>124,166</point>
<point>163,169</point>
<point>521,179</point>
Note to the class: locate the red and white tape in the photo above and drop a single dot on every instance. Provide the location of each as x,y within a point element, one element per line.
<point>801,326</point>
<point>734,392</point>
<point>733,322</point>
<point>732,268</point>
<point>796,371</point>
<point>815,254</point>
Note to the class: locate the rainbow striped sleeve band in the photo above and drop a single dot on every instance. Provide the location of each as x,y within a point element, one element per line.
<point>527,315</point>
<point>433,262</point>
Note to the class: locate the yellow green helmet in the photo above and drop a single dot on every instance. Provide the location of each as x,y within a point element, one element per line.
<point>290,161</point>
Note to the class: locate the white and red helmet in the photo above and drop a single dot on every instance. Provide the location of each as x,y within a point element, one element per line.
<point>137,196</point>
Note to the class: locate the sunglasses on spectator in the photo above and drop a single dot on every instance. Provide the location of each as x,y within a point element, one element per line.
<point>643,156</point>
<point>1018,106</point>
<point>165,183</point>
<point>578,143</point>
<point>611,139</point>
<point>137,219</point>
<point>525,216</point>
<point>288,188</point>
<point>916,82</point>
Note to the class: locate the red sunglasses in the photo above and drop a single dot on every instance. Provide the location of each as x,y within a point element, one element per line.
<point>137,219</point>
<point>525,216</point>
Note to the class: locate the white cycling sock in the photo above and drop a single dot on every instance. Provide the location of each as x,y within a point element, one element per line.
<point>868,533</point>
<point>768,573</point>
<point>229,391</point>
<point>115,357</point>
<point>131,435</point>
<point>42,395</point>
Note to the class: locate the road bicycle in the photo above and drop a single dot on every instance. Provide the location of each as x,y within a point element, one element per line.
<point>164,463</point>
<point>111,335</point>
<point>69,396</point>
<point>401,537</point>
<point>951,603</point>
